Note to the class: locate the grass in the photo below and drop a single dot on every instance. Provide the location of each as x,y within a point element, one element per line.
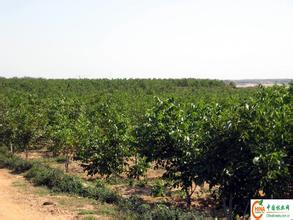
<point>20,184</point>
<point>42,191</point>
<point>66,201</point>
<point>26,187</point>
<point>87,212</point>
<point>89,218</point>
<point>108,210</point>
<point>83,194</point>
<point>75,203</point>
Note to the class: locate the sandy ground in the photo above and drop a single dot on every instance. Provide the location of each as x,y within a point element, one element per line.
<point>15,205</point>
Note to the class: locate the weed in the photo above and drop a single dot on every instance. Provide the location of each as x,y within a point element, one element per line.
<point>87,212</point>
<point>159,189</point>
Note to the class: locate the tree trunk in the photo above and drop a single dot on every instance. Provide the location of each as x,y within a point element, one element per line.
<point>26,152</point>
<point>67,161</point>
<point>188,198</point>
<point>244,213</point>
<point>230,215</point>
<point>55,154</point>
<point>136,162</point>
<point>225,208</point>
<point>11,148</point>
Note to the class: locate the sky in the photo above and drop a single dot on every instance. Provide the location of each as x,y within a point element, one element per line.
<point>227,39</point>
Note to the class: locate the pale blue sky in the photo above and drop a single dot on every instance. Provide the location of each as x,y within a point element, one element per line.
<point>227,39</point>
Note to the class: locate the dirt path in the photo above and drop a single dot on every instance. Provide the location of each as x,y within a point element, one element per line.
<point>15,205</point>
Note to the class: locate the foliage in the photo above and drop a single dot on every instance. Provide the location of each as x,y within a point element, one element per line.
<point>107,148</point>
<point>99,183</point>
<point>139,168</point>
<point>67,127</point>
<point>54,179</point>
<point>164,137</point>
<point>22,122</point>
<point>239,140</point>
<point>247,145</point>
<point>158,189</point>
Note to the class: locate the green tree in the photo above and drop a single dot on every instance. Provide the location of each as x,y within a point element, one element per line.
<point>7,130</point>
<point>68,127</point>
<point>246,145</point>
<point>107,150</point>
<point>164,137</point>
<point>27,121</point>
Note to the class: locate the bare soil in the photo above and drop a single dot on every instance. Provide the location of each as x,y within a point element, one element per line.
<point>17,205</point>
